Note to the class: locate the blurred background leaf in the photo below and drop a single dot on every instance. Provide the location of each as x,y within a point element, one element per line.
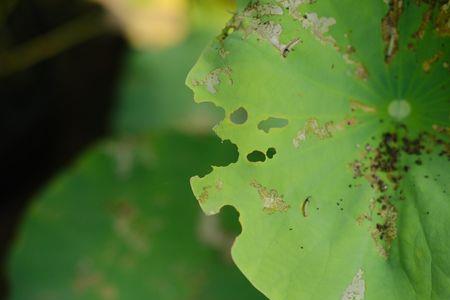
<point>121,222</point>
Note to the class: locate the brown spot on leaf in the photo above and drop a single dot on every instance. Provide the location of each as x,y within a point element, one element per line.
<point>427,64</point>
<point>204,195</point>
<point>213,79</point>
<point>382,167</point>
<point>389,29</point>
<point>312,127</point>
<point>443,20</point>
<point>271,199</point>
<point>357,105</point>
<point>426,17</point>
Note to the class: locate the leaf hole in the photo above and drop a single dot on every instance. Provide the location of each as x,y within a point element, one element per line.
<point>270,153</point>
<point>271,122</point>
<point>256,156</point>
<point>239,116</point>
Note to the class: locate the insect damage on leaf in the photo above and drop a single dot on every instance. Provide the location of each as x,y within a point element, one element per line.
<point>443,20</point>
<point>389,29</point>
<point>360,70</point>
<point>252,21</point>
<point>293,5</point>
<point>304,206</point>
<point>357,105</point>
<point>272,201</point>
<point>212,79</point>
<point>312,127</point>
<point>420,33</point>
<point>382,167</point>
<point>319,26</point>
<point>357,289</point>
<point>427,64</point>
<point>385,232</point>
<point>219,185</point>
<point>204,195</point>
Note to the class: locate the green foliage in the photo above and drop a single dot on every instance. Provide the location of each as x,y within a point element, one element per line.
<point>353,204</point>
<point>152,94</point>
<point>123,224</point>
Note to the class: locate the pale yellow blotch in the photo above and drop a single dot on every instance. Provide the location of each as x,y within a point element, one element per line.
<point>269,9</point>
<point>213,79</point>
<point>356,289</point>
<point>360,70</point>
<point>293,5</point>
<point>319,26</point>
<point>357,105</point>
<point>249,22</point>
<point>271,199</point>
<point>204,195</point>
<point>219,185</point>
<point>313,127</point>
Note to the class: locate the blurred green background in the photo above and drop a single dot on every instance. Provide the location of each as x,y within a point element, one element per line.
<point>101,137</point>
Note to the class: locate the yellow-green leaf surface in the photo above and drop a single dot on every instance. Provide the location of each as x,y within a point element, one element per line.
<point>340,112</point>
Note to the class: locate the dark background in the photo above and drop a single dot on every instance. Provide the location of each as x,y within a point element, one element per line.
<point>52,110</point>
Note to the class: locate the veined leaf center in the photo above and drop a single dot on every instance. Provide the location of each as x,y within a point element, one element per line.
<point>399,109</point>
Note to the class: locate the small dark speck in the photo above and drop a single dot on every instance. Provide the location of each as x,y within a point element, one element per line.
<point>428,212</point>
<point>337,203</point>
<point>426,176</point>
<point>342,208</point>
<point>317,208</point>
<point>381,121</point>
<point>418,162</point>
<point>349,185</point>
<point>341,199</point>
<point>301,247</point>
<point>290,228</point>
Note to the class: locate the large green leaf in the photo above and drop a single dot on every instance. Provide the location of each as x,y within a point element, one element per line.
<point>342,177</point>
<point>122,224</point>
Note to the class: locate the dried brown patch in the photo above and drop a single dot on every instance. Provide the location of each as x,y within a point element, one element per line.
<point>389,29</point>
<point>204,195</point>
<point>443,20</point>
<point>357,105</point>
<point>427,64</point>
<point>381,166</point>
<point>271,199</point>
<point>426,18</point>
